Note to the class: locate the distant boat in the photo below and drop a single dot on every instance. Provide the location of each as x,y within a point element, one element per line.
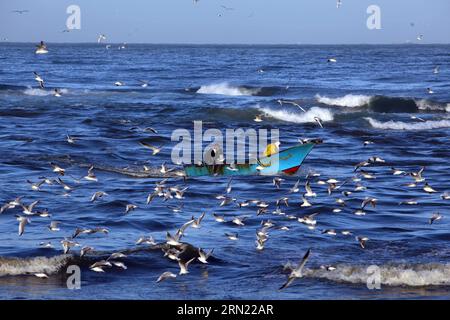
<point>287,161</point>
<point>41,48</point>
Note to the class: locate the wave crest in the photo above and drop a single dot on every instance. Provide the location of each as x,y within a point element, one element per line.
<point>307,117</point>
<point>23,266</point>
<point>42,92</point>
<point>390,275</point>
<point>228,90</point>
<point>349,100</point>
<point>400,125</point>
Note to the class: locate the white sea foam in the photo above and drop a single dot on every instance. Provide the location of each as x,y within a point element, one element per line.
<point>400,125</point>
<point>226,89</point>
<point>22,266</point>
<point>390,275</point>
<point>42,92</point>
<point>300,117</point>
<point>349,100</point>
<point>431,106</point>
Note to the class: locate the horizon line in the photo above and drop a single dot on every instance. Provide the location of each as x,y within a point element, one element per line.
<point>231,43</point>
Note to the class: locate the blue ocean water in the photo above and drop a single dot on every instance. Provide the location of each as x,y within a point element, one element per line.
<point>372,93</point>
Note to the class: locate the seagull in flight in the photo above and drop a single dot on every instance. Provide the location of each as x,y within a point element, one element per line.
<point>20,11</point>
<point>39,79</point>
<point>296,272</point>
<point>101,37</point>
<point>338,4</point>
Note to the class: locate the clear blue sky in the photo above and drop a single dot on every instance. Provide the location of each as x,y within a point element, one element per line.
<point>251,21</point>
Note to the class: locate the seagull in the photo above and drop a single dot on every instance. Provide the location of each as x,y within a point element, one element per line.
<point>291,102</point>
<point>20,11</point>
<point>362,241</point>
<point>85,250</point>
<point>227,8</point>
<point>309,219</point>
<point>305,203</point>
<point>436,70</point>
<point>371,201</point>
<point>39,79</point>
<point>67,244</point>
<point>239,220</point>
<point>367,142</point>
<point>397,172</point>
<point>417,176</point>
<point>196,223</point>
<point>118,83</point>
<point>22,223</point>
<point>98,266</point>
<point>203,256</point>
<point>98,195</point>
<point>445,196</point>
<point>435,217</point>
<point>420,37</point>
<point>57,169</point>
<point>155,150</point>
<point>91,175</point>
<point>430,91</point>
<point>146,240</point>
<point>184,266</point>
<point>277,182</point>
<point>130,207</point>
<point>309,192</point>
<point>338,4</point>
<point>295,188</point>
<point>100,38</point>
<point>54,226</point>
<point>57,93</point>
<point>144,84</point>
<point>296,272</point>
<point>218,218</point>
<point>46,245</point>
<point>28,210</point>
<point>36,185</point>
<point>232,236</point>
<point>166,275</point>
<point>319,121</point>
<point>258,118</point>
<point>428,188</point>
<point>70,139</point>
<point>332,60</point>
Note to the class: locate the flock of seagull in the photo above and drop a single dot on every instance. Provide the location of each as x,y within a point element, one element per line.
<point>173,247</point>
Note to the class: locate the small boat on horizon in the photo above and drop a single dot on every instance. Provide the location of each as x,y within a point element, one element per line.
<point>287,161</point>
<point>41,48</point>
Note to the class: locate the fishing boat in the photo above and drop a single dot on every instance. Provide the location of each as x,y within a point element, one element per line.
<point>287,161</point>
<point>41,51</point>
<point>41,48</point>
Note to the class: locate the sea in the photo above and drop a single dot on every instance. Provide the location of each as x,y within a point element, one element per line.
<point>391,102</point>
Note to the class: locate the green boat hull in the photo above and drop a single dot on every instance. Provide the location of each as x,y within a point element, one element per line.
<point>287,161</point>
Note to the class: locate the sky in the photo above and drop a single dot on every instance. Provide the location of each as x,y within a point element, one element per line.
<point>241,22</point>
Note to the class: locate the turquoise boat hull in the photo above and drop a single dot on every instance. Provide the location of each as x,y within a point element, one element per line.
<point>287,161</point>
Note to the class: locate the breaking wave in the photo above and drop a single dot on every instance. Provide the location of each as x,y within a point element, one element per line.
<point>324,114</point>
<point>348,100</point>
<point>384,104</point>
<point>390,275</point>
<point>229,90</point>
<point>225,89</point>
<point>42,92</point>
<point>399,125</point>
<point>23,266</point>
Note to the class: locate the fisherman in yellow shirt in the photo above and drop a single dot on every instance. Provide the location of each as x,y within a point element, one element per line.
<point>271,149</point>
